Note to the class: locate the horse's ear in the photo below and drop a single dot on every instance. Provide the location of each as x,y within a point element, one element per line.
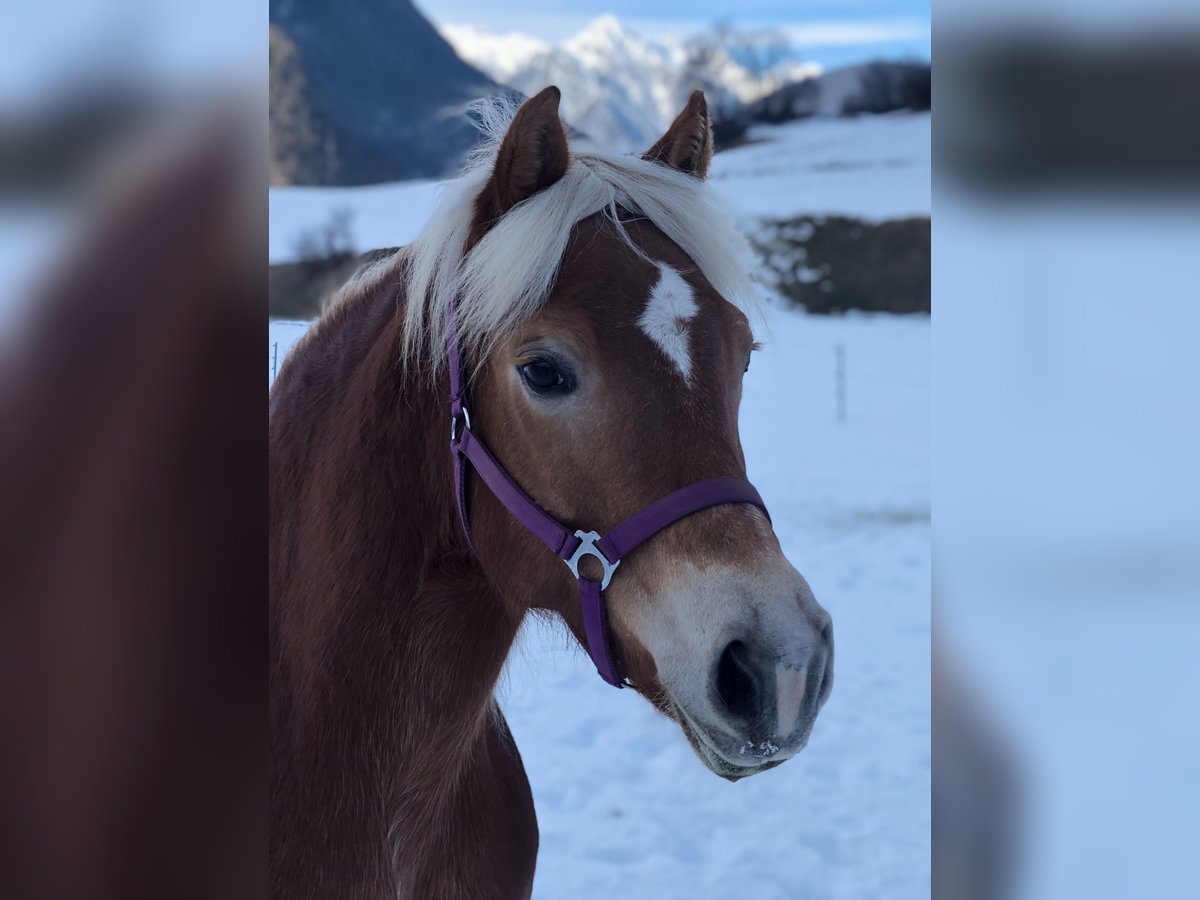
<point>688,143</point>
<point>532,156</point>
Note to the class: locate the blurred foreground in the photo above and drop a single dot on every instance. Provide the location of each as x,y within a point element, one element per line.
<point>132,534</point>
<point>1066,433</point>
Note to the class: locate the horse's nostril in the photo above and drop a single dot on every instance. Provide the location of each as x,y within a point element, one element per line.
<point>737,683</point>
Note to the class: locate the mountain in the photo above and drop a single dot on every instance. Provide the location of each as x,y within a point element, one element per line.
<point>622,89</point>
<point>758,51</point>
<point>500,55</point>
<point>365,91</point>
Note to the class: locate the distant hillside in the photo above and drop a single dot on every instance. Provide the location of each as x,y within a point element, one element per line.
<point>365,91</point>
<point>876,87</point>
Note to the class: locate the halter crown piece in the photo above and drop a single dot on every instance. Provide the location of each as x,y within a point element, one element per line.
<point>568,545</point>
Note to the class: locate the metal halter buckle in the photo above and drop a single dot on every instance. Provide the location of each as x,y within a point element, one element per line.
<point>466,417</point>
<point>587,547</point>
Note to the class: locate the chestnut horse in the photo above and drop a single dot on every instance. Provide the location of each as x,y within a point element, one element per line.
<point>596,299</point>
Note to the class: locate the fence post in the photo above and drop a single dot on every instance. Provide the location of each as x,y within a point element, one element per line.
<point>840,376</point>
<point>274,359</point>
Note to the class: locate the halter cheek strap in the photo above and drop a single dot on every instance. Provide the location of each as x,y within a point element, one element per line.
<point>572,546</point>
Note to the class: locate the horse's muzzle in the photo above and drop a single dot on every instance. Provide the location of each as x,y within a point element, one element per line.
<point>764,696</point>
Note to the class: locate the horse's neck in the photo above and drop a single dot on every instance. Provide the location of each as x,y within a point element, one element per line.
<point>386,640</point>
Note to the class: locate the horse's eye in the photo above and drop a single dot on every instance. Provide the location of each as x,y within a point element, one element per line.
<point>755,346</point>
<point>544,377</point>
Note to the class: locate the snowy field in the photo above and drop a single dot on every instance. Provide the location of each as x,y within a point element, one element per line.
<point>874,167</point>
<point>625,808</point>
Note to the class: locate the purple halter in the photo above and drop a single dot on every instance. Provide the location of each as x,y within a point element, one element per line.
<point>572,546</point>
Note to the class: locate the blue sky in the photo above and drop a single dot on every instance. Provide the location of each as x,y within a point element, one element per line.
<point>827,32</point>
<point>43,43</point>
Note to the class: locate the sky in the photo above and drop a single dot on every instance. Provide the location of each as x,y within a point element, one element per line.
<point>826,31</point>
<point>55,41</point>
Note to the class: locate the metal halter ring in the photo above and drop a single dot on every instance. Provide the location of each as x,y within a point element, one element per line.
<point>587,547</point>
<point>466,416</point>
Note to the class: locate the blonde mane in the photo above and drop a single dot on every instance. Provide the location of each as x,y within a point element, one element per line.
<point>509,273</point>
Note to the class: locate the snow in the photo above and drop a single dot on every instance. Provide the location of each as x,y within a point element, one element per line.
<point>282,336</point>
<point>873,167</point>
<point>620,88</point>
<point>500,55</point>
<point>625,808</point>
<point>383,215</point>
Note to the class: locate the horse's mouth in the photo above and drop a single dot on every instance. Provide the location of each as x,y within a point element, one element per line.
<point>713,759</point>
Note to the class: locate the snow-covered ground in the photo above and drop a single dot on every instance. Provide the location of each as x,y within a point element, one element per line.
<point>873,167</point>
<point>624,807</point>
<point>382,215</point>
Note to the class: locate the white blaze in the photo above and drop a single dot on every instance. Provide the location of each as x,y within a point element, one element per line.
<point>665,320</point>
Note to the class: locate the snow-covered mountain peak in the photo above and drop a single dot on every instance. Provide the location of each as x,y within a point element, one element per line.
<point>605,40</point>
<point>605,27</point>
<point>620,88</point>
<point>500,55</point>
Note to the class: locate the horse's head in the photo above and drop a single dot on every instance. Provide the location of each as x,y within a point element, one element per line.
<point>621,387</point>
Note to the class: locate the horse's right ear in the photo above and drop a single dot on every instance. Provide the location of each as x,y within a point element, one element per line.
<point>532,157</point>
<point>688,143</point>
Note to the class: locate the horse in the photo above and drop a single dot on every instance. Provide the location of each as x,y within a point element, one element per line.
<point>594,308</point>
<point>133,670</point>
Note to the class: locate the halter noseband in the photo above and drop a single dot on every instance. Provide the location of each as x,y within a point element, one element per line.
<point>572,546</point>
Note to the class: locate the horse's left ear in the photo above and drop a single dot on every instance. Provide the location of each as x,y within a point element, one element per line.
<point>532,156</point>
<point>688,143</point>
